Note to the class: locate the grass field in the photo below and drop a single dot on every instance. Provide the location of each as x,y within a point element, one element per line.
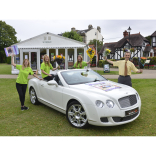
<point>111,72</point>
<point>5,68</point>
<point>41,120</point>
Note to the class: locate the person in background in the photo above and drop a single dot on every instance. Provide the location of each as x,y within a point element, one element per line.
<point>80,64</point>
<point>125,67</point>
<point>45,68</point>
<point>22,79</point>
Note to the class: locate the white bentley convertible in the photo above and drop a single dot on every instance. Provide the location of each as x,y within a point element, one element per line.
<point>87,98</point>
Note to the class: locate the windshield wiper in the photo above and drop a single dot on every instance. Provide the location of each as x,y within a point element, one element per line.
<point>96,80</point>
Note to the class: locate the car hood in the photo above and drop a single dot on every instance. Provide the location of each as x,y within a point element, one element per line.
<point>107,88</point>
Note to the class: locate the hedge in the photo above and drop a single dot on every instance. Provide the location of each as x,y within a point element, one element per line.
<point>8,60</point>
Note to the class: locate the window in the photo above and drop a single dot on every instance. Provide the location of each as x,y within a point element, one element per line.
<point>57,79</point>
<point>127,46</point>
<point>45,37</point>
<point>49,37</point>
<point>154,41</point>
<point>95,33</point>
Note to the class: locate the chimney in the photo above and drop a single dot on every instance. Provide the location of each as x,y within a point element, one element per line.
<point>99,29</point>
<point>72,29</point>
<point>125,33</point>
<point>90,26</point>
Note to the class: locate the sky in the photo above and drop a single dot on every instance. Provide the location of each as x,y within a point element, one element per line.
<point>111,30</point>
<point>34,17</point>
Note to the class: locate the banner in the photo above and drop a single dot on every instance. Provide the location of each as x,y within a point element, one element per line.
<point>11,50</point>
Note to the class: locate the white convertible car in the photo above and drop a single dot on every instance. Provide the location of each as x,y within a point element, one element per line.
<point>87,98</point>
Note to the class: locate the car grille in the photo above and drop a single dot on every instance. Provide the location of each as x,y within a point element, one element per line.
<point>128,101</point>
<point>122,119</point>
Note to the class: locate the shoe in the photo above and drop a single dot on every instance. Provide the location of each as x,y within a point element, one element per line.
<point>22,108</point>
<point>26,108</point>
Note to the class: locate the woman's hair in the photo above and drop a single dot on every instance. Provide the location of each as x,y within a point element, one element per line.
<point>23,65</point>
<point>45,61</point>
<point>79,62</point>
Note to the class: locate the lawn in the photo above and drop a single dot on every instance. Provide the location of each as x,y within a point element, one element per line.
<point>5,68</point>
<point>101,72</point>
<point>41,120</point>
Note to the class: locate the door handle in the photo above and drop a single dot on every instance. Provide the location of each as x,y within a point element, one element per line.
<point>42,85</point>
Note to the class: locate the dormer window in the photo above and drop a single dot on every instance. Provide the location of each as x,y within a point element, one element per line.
<point>49,37</point>
<point>95,33</point>
<point>127,46</point>
<point>45,38</point>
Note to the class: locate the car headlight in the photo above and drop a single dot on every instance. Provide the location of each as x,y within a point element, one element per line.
<point>99,103</point>
<point>110,103</point>
<point>137,96</point>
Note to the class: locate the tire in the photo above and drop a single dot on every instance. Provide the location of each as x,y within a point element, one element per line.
<point>33,96</point>
<point>76,115</point>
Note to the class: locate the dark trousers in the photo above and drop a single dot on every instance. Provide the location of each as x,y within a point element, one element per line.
<point>125,80</point>
<point>21,89</point>
<point>48,78</point>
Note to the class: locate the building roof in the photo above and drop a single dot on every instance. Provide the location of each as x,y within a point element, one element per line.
<point>154,34</point>
<point>109,46</point>
<point>147,49</point>
<point>135,40</point>
<point>56,41</point>
<point>83,31</point>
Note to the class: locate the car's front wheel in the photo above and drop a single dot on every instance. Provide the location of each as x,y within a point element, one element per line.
<point>76,115</point>
<point>33,97</point>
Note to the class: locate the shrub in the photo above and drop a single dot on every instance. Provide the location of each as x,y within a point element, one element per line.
<point>9,60</point>
<point>122,58</point>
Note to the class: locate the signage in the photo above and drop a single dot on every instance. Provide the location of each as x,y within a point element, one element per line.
<point>106,68</point>
<point>46,41</point>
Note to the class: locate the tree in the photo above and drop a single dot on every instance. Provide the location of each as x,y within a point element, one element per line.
<point>99,44</point>
<point>7,38</point>
<point>148,38</point>
<point>73,35</point>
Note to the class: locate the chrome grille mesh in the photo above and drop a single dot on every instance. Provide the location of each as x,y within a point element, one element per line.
<point>128,101</point>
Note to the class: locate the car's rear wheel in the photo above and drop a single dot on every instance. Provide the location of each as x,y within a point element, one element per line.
<point>33,96</point>
<point>76,115</point>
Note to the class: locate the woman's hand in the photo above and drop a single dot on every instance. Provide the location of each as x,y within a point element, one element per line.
<point>105,58</point>
<point>58,67</point>
<point>40,78</point>
<point>49,75</point>
<point>12,55</point>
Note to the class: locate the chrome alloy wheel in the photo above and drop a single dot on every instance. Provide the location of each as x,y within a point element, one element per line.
<point>77,115</point>
<point>33,96</point>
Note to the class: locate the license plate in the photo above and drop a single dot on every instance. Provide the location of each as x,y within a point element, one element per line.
<point>131,112</point>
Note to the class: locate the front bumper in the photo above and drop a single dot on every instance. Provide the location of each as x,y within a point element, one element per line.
<point>113,116</point>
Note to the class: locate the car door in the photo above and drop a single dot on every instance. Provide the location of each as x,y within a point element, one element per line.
<point>51,93</point>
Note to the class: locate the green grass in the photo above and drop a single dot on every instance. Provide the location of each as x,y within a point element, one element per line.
<point>41,120</point>
<point>5,68</point>
<point>101,72</point>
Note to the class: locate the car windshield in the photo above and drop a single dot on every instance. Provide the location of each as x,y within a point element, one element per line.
<point>81,76</point>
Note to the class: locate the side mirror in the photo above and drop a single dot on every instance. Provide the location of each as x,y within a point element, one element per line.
<point>52,82</point>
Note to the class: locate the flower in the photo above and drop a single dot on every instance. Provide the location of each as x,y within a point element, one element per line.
<point>106,52</point>
<point>59,59</point>
<point>143,60</point>
<point>90,53</point>
<point>124,50</point>
<point>132,50</point>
